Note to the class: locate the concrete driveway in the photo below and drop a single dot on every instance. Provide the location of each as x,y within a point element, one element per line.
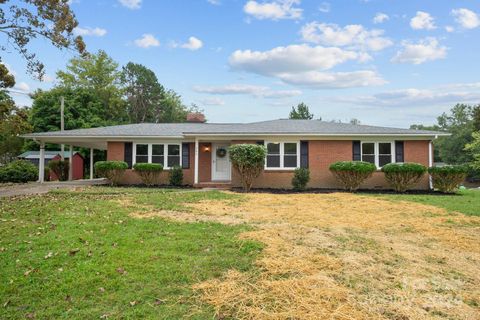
<point>12,190</point>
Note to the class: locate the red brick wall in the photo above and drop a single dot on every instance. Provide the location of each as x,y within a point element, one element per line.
<point>204,162</point>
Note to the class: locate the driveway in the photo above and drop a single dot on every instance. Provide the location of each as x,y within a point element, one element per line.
<point>13,190</point>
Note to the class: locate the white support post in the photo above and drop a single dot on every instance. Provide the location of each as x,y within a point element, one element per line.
<point>430,162</point>
<point>196,161</point>
<point>91,163</point>
<point>41,163</point>
<point>70,164</point>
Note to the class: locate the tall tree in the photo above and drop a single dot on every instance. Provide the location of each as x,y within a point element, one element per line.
<point>474,149</point>
<point>143,93</point>
<point>13,121</point>
<point>22,21</point>
<point>301,112</point>
<point>476,117</point>
<point>100,74</point>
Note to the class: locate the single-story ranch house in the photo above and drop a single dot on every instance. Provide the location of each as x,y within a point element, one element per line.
<point>201,148</point>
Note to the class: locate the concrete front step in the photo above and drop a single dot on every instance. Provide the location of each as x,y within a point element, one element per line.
<point>214,185</point>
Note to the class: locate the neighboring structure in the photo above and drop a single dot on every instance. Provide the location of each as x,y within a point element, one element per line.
<point>78,161</point>
<point>201,148</point>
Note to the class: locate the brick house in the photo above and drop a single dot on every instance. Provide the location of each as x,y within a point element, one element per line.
<point>201,149</point>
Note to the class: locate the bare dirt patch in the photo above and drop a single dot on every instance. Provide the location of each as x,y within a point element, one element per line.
<point>344,256</point>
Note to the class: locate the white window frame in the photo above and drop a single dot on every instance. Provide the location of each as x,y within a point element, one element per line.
<point>377,151</point>
<point>282,154</point>
<point>165,152</point>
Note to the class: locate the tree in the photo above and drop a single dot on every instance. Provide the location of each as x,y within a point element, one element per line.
<point>13,122</point>
<point>476,117</point>
<point>474,149</point>
<point>173,109</point>
<point>301,112</point>
<point>99,74</point>
<point>248,160</point>
<point>143,93</point>
<point>25,20</point>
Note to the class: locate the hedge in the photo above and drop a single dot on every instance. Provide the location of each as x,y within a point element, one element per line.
<point>148,172</point>
<point>19,171</point>
<point>402,176</point>
<point>112,170</point>
<point>448,178</point>
<point>351,174</point>
<point>301,177</point>
<point>249,161</point>
<point>175,176</point>
<point>60,168</point>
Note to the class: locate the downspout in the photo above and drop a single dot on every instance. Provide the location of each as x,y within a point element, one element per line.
<point>430,161</point>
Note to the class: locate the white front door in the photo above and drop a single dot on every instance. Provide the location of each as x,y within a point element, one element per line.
<point>221,167</point>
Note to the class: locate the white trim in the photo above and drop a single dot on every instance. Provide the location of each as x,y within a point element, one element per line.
<point>430,163</point>
<point>91,163</point>
<point>214,158</point>
<point>376,150</point>
<point>70,164</point>
<point>196,162</point>
<point>41,164</point>
<point>282,154</point>
<point>150,148</point>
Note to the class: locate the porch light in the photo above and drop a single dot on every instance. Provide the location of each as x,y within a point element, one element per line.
<point>206,148</point>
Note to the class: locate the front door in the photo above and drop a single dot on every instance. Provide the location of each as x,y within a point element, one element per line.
<point>221,167</point>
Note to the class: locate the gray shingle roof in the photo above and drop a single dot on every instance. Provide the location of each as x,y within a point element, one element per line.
<point>48,154</point>
<point>305,127</point>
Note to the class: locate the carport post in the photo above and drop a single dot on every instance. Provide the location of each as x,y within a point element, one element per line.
<point>195,181</point>
<point>91,163</point>
<point>41,163</point>
<point>70,164</point>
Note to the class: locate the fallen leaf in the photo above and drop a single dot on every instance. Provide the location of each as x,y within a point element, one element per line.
<point>6,303</point>
<point>89,253</point>
<point>133,303</point>
<point>73,251</point>
<point>121,270</point>
<point>159,301</point>
<point>68,298</point>
<point>49,255</point>
<point>30,315</point>
<point>28,272</point>
<point>101,289</point>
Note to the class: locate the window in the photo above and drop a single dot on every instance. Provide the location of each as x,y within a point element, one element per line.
<point>282,155</point>
<point>378,153</point>
<point>173,155</point>
<point>141,153</point>
<point>168,155</point>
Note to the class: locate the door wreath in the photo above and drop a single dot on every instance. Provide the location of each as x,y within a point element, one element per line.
<point>221,152</point>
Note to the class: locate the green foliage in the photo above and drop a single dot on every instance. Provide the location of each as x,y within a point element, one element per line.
<point>19,171</point>
<point>301,177</point>
<point>448,178</point>
<point>23,21</point>
<point>301,112</point>
<point>402,176</point>
<point>148,172</point>
<point>473,149</point>
<point>351,174</point>
<point>249,161</point>
<point>13,122</point>
<point>112,170</point>
<point>175,176</point>
<point>60,168</point>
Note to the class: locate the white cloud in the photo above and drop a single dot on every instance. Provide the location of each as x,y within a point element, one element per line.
<point>214,2</point>
<point>147,40</point>
<point>87,31</point>
<point>466,18</point>
<point>380,18</point>
<point>131,4</point>
<point>329,80</point>
<point>273,10</point>
<point>22,86</point>
<point>192,44</point>
<point>425,50</point>
<point>324,7</point>
<point>212,101</point>
<point>253,90</point>
<point>10,69</point>
<point>423,20</point>
<point>449,28</point>
<point>354,36</point>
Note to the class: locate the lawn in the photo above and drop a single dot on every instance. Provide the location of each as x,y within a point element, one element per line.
<point>129,253</point>
<point>79,255</point>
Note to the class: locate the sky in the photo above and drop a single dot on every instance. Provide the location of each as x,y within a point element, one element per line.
<point>384,62</point>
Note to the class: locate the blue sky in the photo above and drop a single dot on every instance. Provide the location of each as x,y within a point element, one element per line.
<point>383,62</point>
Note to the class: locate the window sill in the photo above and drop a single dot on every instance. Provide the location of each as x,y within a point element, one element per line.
<point>279,169</point>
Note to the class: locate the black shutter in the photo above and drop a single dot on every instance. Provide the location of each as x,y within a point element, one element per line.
<point>185,155</point>
<point>303,154</point>
<point>357,153</point>
<point>261,142</point>
<point>399,151</point>
<point>128,154</point>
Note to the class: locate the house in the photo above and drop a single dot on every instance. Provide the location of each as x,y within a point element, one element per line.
<point>202,148</point>
<point>77,162</point>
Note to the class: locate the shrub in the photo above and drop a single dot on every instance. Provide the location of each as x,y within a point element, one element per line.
<point>175,176</point>
<point>402,176</point>
<point>112,170</point>
<point>301,176</point>
<point>248,160</point>
<point>448,178</point>
<point>148,172</point>
<point>60,168</point>
<point>473,174</point>
<point>19,171</point>
<point>351,174</point>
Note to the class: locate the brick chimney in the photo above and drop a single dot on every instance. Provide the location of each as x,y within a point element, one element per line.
<point>196,117</point>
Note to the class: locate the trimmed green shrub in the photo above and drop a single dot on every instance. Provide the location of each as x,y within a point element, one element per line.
<point>175,176</point>
<point>19,171</point>
<point>60,168</point>
<point>351,174</point>
<point>301,177</point>
<point>448,178</point>
<point>148,172</point>
<point>402,176</point>
<point>112,170</point>
<point>248,160</point>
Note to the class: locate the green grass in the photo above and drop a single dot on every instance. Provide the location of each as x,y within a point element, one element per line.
<point>78,255</point>
<point>465,201</point>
